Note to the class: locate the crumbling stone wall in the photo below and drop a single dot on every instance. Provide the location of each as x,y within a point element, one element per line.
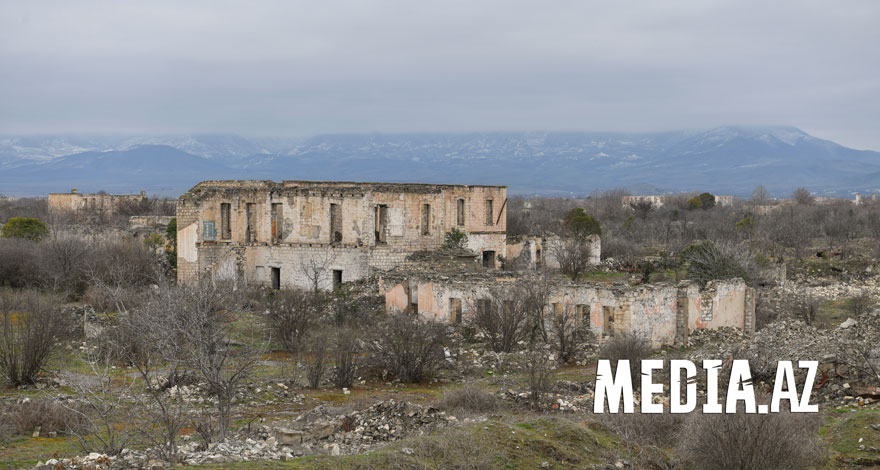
<point>663,313</point>
<point>75,202</point>
<point>350,227</point>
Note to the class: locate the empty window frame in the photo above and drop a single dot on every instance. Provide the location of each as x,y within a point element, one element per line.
<point>459,212</point>
<point>454,310</point>
<point>490,212</point>
<point>277,222</point>
<point>251,216</point>
<point>335,223</point>
<point>608,321</point>
<point>426,219</point>
<point>225,222</point>
<point>381,223</point>
<point>483,305</point>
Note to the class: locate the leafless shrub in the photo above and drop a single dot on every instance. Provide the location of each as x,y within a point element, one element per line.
<point>318,360</point>
<point>572,254</point>
<point>64,260</point>
<point>569,333</point>
<point>345,350</point>
<point>119,269</point>
<point>512,313</point>
<point>409,347</point>
<point>629,346</point>
<point>538,368</point>
<point>805,307</point>
<point>292,314</point>
<point>139,341</point>
<point>860,303</point>
<point>469,399</point>
<point>104,397</point>
<point>741,441</point>
<point>710,261</point>
<point>20,266</point>
<point>30,326</point>
<point>48,415</point>
<point>193,329</point>
<point>660,430</point>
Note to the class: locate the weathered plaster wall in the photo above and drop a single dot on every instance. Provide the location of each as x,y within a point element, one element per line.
<point>654,311</point>
<point>305,224</point>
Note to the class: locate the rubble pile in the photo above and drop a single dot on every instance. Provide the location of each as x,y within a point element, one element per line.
<point>326,430</point>
<point>323,430</point>
<point>848,355</point>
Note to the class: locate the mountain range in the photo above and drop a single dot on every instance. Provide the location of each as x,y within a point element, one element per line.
<point>724,160</point>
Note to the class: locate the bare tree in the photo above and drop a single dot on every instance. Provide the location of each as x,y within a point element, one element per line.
<point>318,361</point>
<point>107,397</point>
<point>760,196</point>
<point>569,332</point>
<point>314,267</point>
<point>142,341</point>
<point>292,314</point>
<point>802,196</point>
<point>572,254</point>
<point>512,313</point>
<point>30,326</point>
<point>409,347</point>
<point>538,370</point>
<point>345,350</point>
<point>198,323</point>
<point>65,258</point>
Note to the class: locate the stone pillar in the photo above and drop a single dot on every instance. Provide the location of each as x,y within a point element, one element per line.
<point>749,312</point>
<point>681,316</point>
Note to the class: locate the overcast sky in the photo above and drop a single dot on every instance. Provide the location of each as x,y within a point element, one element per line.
<point>303,68</point>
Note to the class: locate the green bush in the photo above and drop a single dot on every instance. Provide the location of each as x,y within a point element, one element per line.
<point>455,239</point>
<point>27,228</point>
<point>581,224</point>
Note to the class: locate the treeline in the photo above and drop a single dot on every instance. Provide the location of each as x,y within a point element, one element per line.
<point>790,230</point>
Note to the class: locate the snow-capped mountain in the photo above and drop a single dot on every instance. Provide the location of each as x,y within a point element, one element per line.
<point>730,160</point>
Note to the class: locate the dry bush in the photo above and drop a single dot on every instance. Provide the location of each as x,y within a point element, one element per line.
<point>572,254</point>
<point>660,430</point>
<point>513,313</point>
<point>538,369</point>
<point>345,350</point>
<point>805,307</point>
<point>740,441</point>
<point>630,346</point>
<point>20,266</point>
<point>569,333</point>
<point>469,399</point>
<point>409,347</point>
<point>710,261</point>
<point>30,326</point>
<point>860,303</point>
<point>293,314</point>
<point>317,361</point>
<point>48,415</point>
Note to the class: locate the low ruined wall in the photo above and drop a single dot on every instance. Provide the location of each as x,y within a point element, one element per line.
<point>662,313</point>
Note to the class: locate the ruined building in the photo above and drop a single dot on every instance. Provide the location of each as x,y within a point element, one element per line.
<point>75,203</point>
<point>319,234</point>
<point>663,313</point>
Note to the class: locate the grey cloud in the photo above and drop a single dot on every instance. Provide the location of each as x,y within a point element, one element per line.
<point>300,68</point>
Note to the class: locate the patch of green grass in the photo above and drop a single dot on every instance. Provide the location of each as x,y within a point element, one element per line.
<point>831,314</point>
<point>845,428</point>
<point>603,276</point>
<point>25,452</point>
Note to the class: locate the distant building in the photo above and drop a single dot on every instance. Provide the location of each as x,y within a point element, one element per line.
<point>77,204</point>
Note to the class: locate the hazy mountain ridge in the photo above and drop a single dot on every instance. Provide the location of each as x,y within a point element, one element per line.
<point>730,160</point>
